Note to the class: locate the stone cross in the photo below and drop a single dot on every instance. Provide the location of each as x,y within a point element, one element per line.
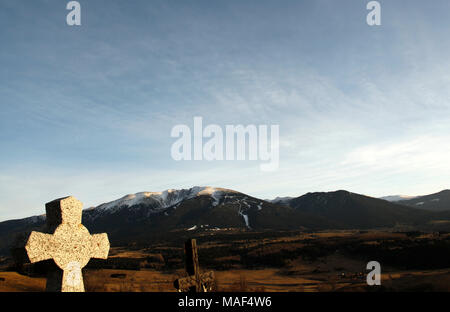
<point>70,246</point>
<point>195,282</point>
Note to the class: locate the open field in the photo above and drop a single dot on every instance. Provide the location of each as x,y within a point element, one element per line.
<point>291,261</point>
<point>12,281</point>
<point>237,280</point>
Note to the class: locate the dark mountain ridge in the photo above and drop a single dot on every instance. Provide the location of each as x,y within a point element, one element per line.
<point>434,202</point>
<point>145,216</point>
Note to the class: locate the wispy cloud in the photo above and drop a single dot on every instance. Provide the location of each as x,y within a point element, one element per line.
<point>88,111</point>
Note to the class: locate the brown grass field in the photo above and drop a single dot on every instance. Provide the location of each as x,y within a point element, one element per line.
<point>299,262</point>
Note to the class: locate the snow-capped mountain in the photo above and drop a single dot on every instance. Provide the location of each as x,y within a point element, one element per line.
<point>162,200</point>
<point>433,202</point>
<point>147,206</point>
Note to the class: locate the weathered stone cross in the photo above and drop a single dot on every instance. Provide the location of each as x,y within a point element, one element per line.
<point>195,282</point>
<point>70,246</point>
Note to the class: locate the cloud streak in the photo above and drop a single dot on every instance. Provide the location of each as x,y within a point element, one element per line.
<point>88,111</point>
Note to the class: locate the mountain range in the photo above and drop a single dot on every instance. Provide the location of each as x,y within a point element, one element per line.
<point>434,202</point>
<point>145,215</point>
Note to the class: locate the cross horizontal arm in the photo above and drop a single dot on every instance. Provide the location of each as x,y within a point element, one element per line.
<point>99,246</point>
<point>39,247</point>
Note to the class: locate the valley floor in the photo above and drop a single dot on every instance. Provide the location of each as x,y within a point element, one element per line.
<point>264,262</point>
<point>268,280</point>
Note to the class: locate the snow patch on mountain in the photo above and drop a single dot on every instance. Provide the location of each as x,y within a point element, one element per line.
<point>396,198</point>
<point>245,202</point>
<point>280,200</point>
<point>247,224</point>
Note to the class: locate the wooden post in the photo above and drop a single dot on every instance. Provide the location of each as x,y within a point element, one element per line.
<point>192,266</point>
<point>195,282</point>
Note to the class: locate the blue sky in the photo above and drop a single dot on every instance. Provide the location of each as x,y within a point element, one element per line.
<point>87,111</point>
